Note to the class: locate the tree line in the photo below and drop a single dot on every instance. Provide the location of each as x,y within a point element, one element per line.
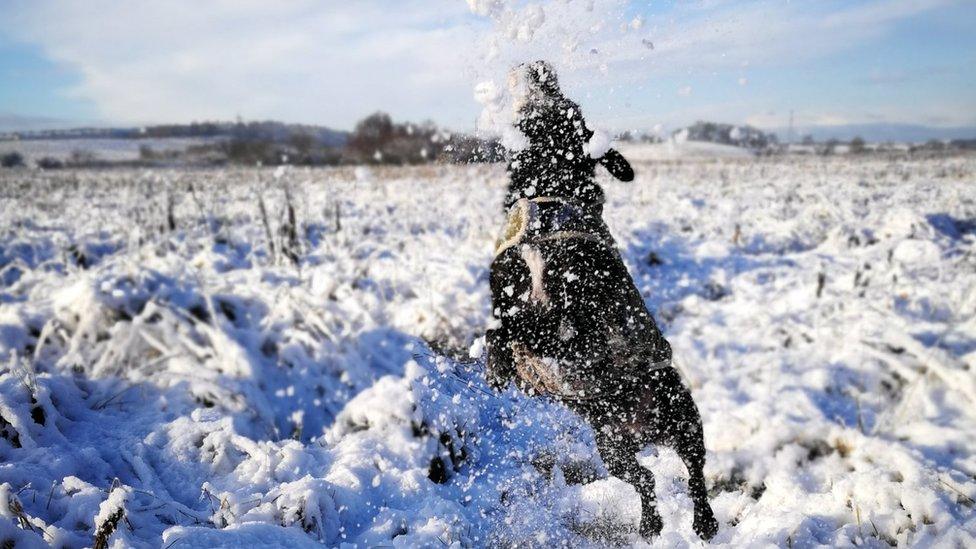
<point>376,139</point>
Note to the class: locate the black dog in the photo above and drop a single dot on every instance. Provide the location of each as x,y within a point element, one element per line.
<point>571,324</point>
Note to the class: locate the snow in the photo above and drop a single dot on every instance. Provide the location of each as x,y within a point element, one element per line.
<point>498,115</point>
<point>599,144</point>
<point>577,37</point>
<point>486,8</point>
<point>218,394</point>
<point>103,148</point>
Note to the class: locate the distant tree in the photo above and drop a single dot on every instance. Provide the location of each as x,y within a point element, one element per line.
<point>807,140</point>
<point>303,143</point>
<point>371,135</point>
<point>241,150</point>
<point>963,144</point>
<point>727,134</point>
<point>857,146</point>
<point>12,159</point>
<point>465,149</point>
<point>81,158</point>
<point>830,147</point>
<point>377,139</point>
<point>49,163</point>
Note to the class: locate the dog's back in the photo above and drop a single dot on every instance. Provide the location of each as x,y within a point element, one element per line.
<point>563,295</point>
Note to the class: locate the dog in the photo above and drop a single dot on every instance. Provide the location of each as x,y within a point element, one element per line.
<point>569,323</point>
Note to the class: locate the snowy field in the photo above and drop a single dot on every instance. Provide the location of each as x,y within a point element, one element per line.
<point>185,361</point>
<point>115,150</point>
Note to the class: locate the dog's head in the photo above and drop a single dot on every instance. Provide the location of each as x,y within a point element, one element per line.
<point>532,84</point>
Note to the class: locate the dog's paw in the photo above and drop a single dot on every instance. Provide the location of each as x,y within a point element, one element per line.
<point>705,525</point>
<point>650,524</point>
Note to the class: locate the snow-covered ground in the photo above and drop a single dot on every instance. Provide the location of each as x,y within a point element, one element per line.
<point>178,368</point>
<point>114,150</point>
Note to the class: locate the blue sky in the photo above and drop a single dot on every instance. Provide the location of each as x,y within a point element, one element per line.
<point>37,88</point>
<point>744,61</point>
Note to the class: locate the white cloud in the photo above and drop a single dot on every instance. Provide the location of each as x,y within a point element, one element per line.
<point>727,34</point>
<point>300,60</point>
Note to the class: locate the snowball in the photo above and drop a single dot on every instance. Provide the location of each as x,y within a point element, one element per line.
<point>917,252</point>
<point>477,348</point>
<point>598,145</point>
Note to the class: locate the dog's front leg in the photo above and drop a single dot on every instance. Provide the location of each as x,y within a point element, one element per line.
<point>508,280</point>
<point>619,454</point>
<point>500,368</point>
